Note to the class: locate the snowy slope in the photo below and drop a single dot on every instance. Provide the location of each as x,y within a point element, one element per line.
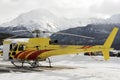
<point>114,19</point>
<point>71,67</point>
<point>38,19</point>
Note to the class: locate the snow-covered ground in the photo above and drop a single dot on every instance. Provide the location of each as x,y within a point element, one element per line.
<point>71,67</point>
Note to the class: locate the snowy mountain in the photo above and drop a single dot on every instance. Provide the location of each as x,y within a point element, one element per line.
<point>98,31</point>
<point>38,19</point>
<point>114,19</point>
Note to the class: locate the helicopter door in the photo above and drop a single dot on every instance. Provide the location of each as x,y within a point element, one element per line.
<point>6,49</point>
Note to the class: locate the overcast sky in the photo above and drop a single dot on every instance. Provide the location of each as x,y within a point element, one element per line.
<point>9,9</point>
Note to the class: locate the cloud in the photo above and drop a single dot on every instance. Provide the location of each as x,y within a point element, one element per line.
<point>107,7</point>
<point>9,9</point>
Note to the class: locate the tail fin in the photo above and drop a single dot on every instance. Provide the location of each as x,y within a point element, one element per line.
<point>111,38</point>
<point>108,43</point>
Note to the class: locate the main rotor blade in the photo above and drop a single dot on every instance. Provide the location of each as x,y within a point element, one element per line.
<point>17,34</point>
<point>62,33</point>
<point>20,31</point>
<point>69,34</point>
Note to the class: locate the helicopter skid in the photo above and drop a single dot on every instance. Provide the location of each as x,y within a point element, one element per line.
<point>32,63</point>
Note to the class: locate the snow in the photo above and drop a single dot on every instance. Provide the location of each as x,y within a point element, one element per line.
<point>115,51</point>
<point>39,18</point>
<point>73,67</point>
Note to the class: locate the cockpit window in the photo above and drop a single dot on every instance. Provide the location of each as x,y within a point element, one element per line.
<point>21,47</point>
<point>11,47</point>
<point>15,47</point>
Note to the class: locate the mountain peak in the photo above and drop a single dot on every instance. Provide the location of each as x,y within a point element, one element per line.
<point>38,19</point>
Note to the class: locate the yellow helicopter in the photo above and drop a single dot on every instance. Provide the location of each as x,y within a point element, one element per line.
<point>33,50</point>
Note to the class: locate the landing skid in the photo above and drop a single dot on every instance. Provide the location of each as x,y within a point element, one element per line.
<point>49,62</point>
<point>18,64</point>
<point>32,63</point>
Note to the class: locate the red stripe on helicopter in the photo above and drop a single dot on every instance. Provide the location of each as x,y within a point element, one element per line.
<point>34,55</point>
<point>24,54</point>
<point>85,47</point>
<point>18,55</point>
